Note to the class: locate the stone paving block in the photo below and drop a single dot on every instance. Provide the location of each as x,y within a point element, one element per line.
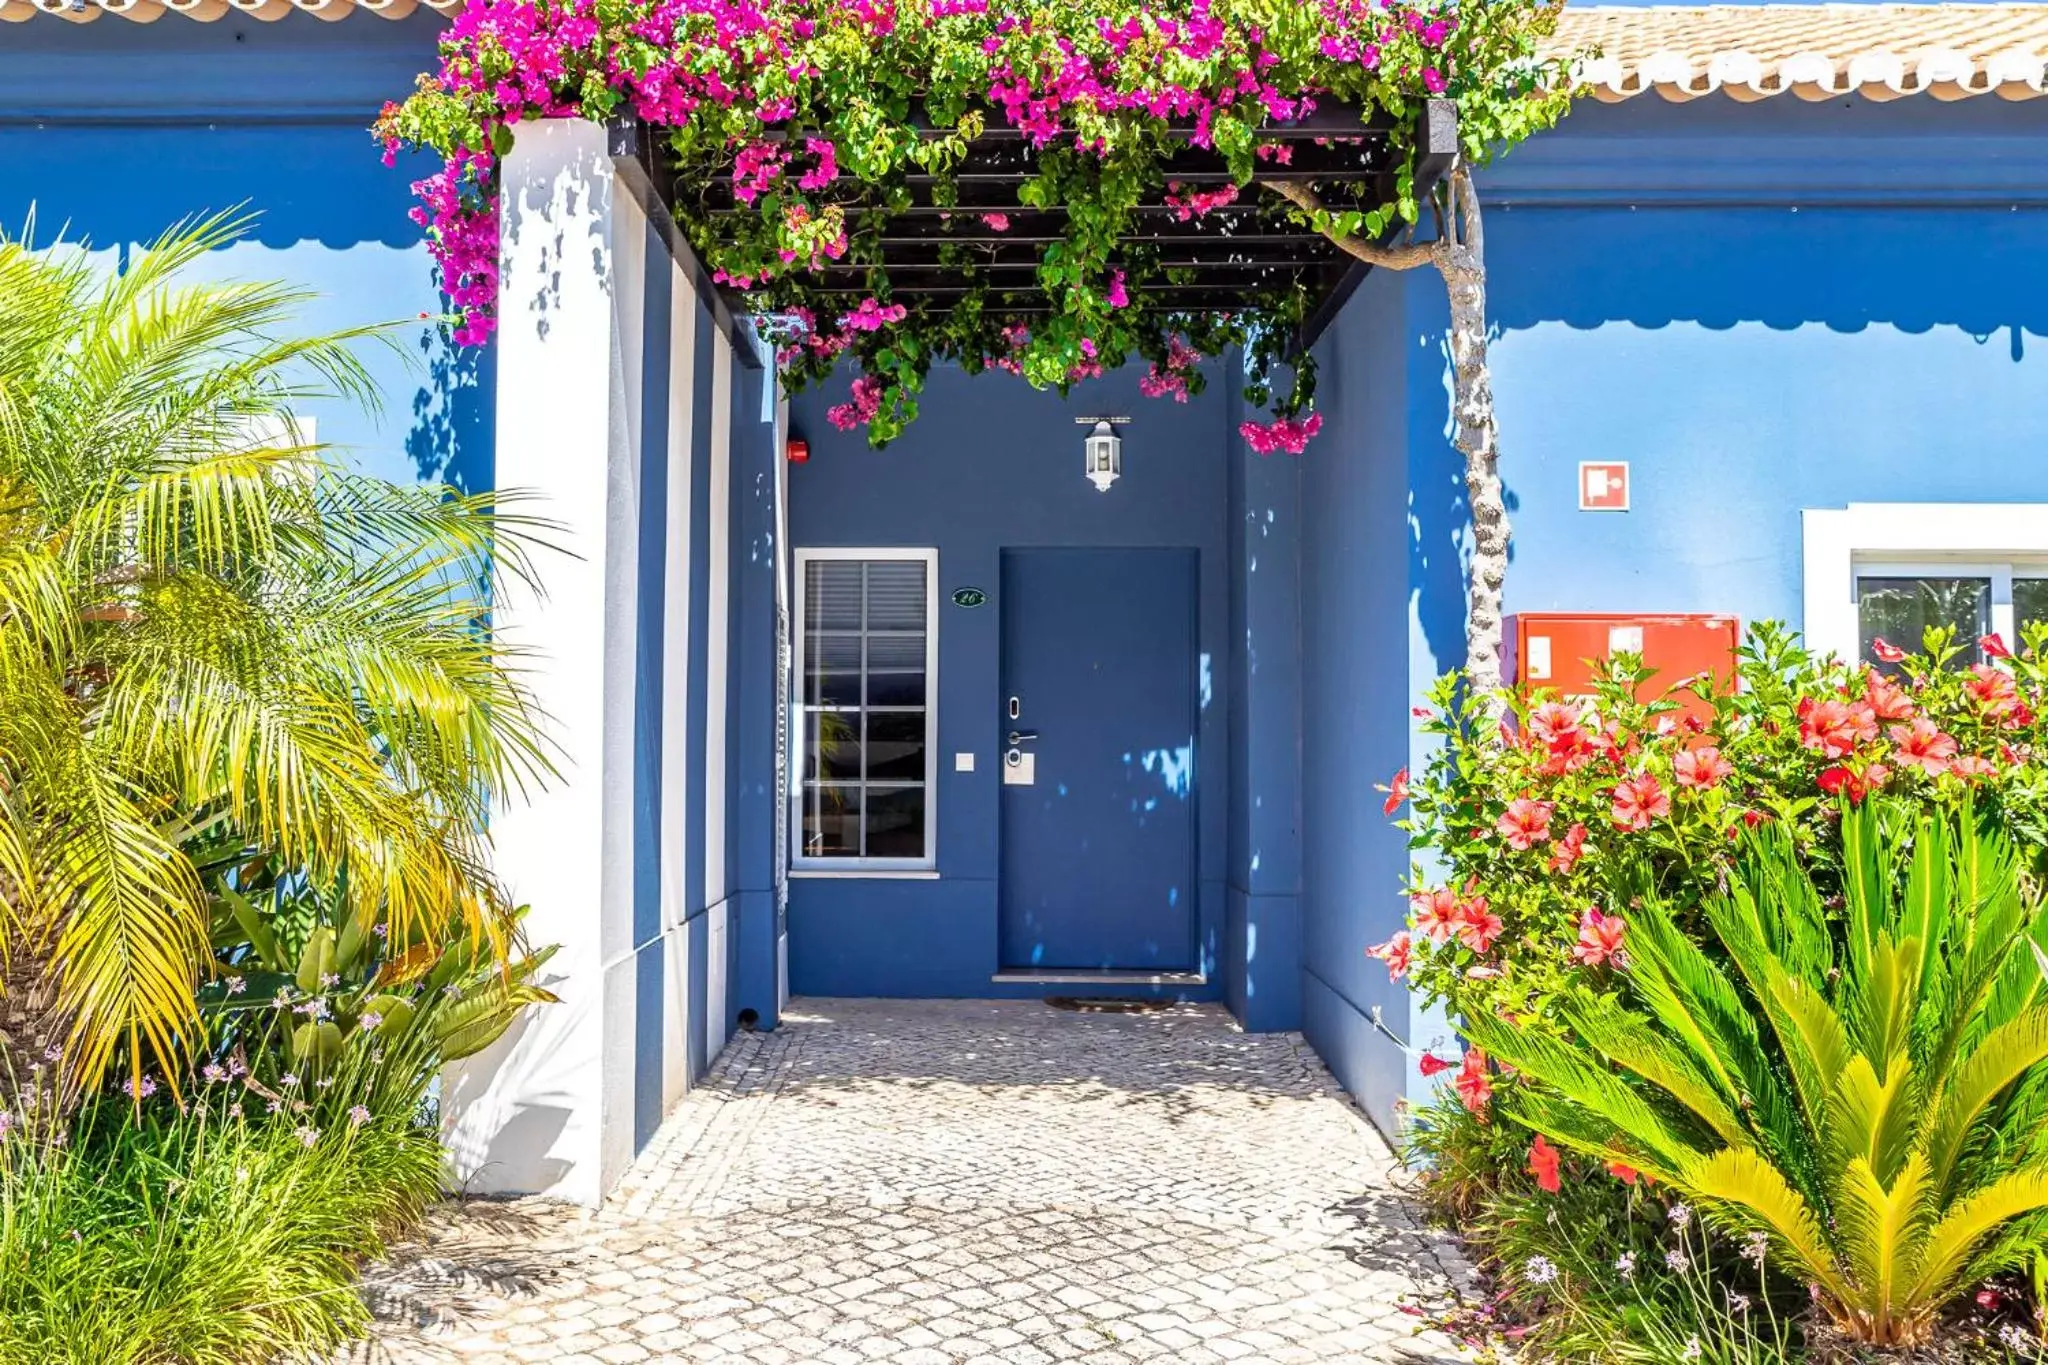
<point>956,1183</point>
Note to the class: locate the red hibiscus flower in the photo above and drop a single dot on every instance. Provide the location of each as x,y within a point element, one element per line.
<point>1639,800</point>
<point>1395,953</point>
<point>1834,726</point>
<point>1599,938</point>
<point>1569,850</point>
<point>1992,646</point>
<point>1431,1064</point>
<point>1700,767</point>
<point>1923,746</point>
<point>1886,652</point>
<point>1888,701</point>
<point>1839,781</point>
<point>1397,792</point>
<point>1543,1165</point>
<point>1436,913</point>
<point>1970,767</point>
<point>1626,1174</point>
<point>1553,723</point>
<point>1997,696</point>
<point>1525,822</point>
<point>1478,926</point>
<point>1474,1089</point>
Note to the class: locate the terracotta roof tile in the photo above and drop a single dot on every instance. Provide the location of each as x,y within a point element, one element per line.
<point>1814,51</point>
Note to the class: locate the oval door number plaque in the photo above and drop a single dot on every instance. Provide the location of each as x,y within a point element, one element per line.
<point>969,597</point>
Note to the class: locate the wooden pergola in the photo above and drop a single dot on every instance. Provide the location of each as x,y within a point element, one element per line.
<point>1216,261</point>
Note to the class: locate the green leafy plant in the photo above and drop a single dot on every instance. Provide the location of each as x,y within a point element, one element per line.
<point>210,632</point>
<point>1867,1093</point>
<point>200,1235</point>
<point>302,985</point>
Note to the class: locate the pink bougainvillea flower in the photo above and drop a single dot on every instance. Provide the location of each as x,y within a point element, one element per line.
<point>1992,646</point>
<point>1525,822</point>
<point>1395,952</point>
<point>1285,433</point>
<point>1543,1165</point>
<point>1888,701</point>
<point>1565,856</point>
<point>872,316</point>
<point>1430,1064</point>
<point>1478,926</point>
<point>1117,295</point>
<point>1437,913</point>
<point>1397,792</point>
<point>1700,767</point>
<point>996,222</point>
<point>866,402</point>
<point>1639,801</point>
<point>1835,726</point>
<point>1600,938</point>
<point>1474,1089</point>
<point>1922,745</point>
<point>1885,651</point>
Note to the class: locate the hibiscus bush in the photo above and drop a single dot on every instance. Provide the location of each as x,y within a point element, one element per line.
<point>803,132</point>
<point>1652,908</point>
<point>1546,817</point>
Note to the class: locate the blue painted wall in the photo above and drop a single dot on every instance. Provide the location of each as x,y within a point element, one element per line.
<point>1762,307</point>
<point>114,130</point>
<point>993,463</point>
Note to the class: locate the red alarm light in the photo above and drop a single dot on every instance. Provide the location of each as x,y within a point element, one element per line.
<point>798,450</point>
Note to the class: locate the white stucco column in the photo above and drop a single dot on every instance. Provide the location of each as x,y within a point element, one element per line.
<point>542,1112</point>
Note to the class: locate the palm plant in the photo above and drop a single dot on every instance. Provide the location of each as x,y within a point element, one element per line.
<point>1868,1091</point>
<point>206,625</point>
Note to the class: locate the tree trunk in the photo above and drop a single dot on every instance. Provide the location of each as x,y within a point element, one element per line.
<point>1463,265</point>
<point>31,1033</point>
<point>1459,255</point>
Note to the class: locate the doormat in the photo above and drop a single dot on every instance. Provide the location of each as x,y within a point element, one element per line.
<point>1094,1004</point>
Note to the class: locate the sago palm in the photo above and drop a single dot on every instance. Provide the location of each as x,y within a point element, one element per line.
<point>1867,1088</point>
<point>205,624</point>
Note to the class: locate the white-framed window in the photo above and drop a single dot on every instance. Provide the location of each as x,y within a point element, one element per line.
<point>1892,569</point>
<point>866,675</point>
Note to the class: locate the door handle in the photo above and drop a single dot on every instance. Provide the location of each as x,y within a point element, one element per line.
<point>1019,736</point>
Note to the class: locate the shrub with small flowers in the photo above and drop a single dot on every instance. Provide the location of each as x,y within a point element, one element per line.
<point>794,130</point>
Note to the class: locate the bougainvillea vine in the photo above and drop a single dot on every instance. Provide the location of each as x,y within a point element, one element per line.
<point>801,130</point>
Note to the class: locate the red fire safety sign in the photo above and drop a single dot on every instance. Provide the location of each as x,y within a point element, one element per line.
<point>1603,486</point>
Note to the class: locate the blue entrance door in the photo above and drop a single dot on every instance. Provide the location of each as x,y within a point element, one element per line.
<point>1099,683</point>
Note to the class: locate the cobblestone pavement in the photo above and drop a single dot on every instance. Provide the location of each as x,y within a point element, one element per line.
<point>923,1183</point>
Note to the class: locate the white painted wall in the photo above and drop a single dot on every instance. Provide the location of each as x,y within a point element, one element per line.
<point>551,1109</point>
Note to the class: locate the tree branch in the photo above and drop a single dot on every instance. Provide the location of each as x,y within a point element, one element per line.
<point>1407,257</point>
<point>1471,234</point>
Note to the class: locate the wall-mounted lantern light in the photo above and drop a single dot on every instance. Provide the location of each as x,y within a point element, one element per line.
<point>1103,451</point>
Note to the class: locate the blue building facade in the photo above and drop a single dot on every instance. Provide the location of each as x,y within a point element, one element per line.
<point>948,720</point>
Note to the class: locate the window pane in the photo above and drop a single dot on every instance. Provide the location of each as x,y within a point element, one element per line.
<point>865,718</point>
<point>895,822</point>
<point>1901,609</point>
<point>2029,606</point>
<point>895,747</point>
<point>895,670</point>
<point>832,594</point>
<point>832,670</point>
<point>831,827</point>
<point>896,594</point>
<point>832,746</point>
